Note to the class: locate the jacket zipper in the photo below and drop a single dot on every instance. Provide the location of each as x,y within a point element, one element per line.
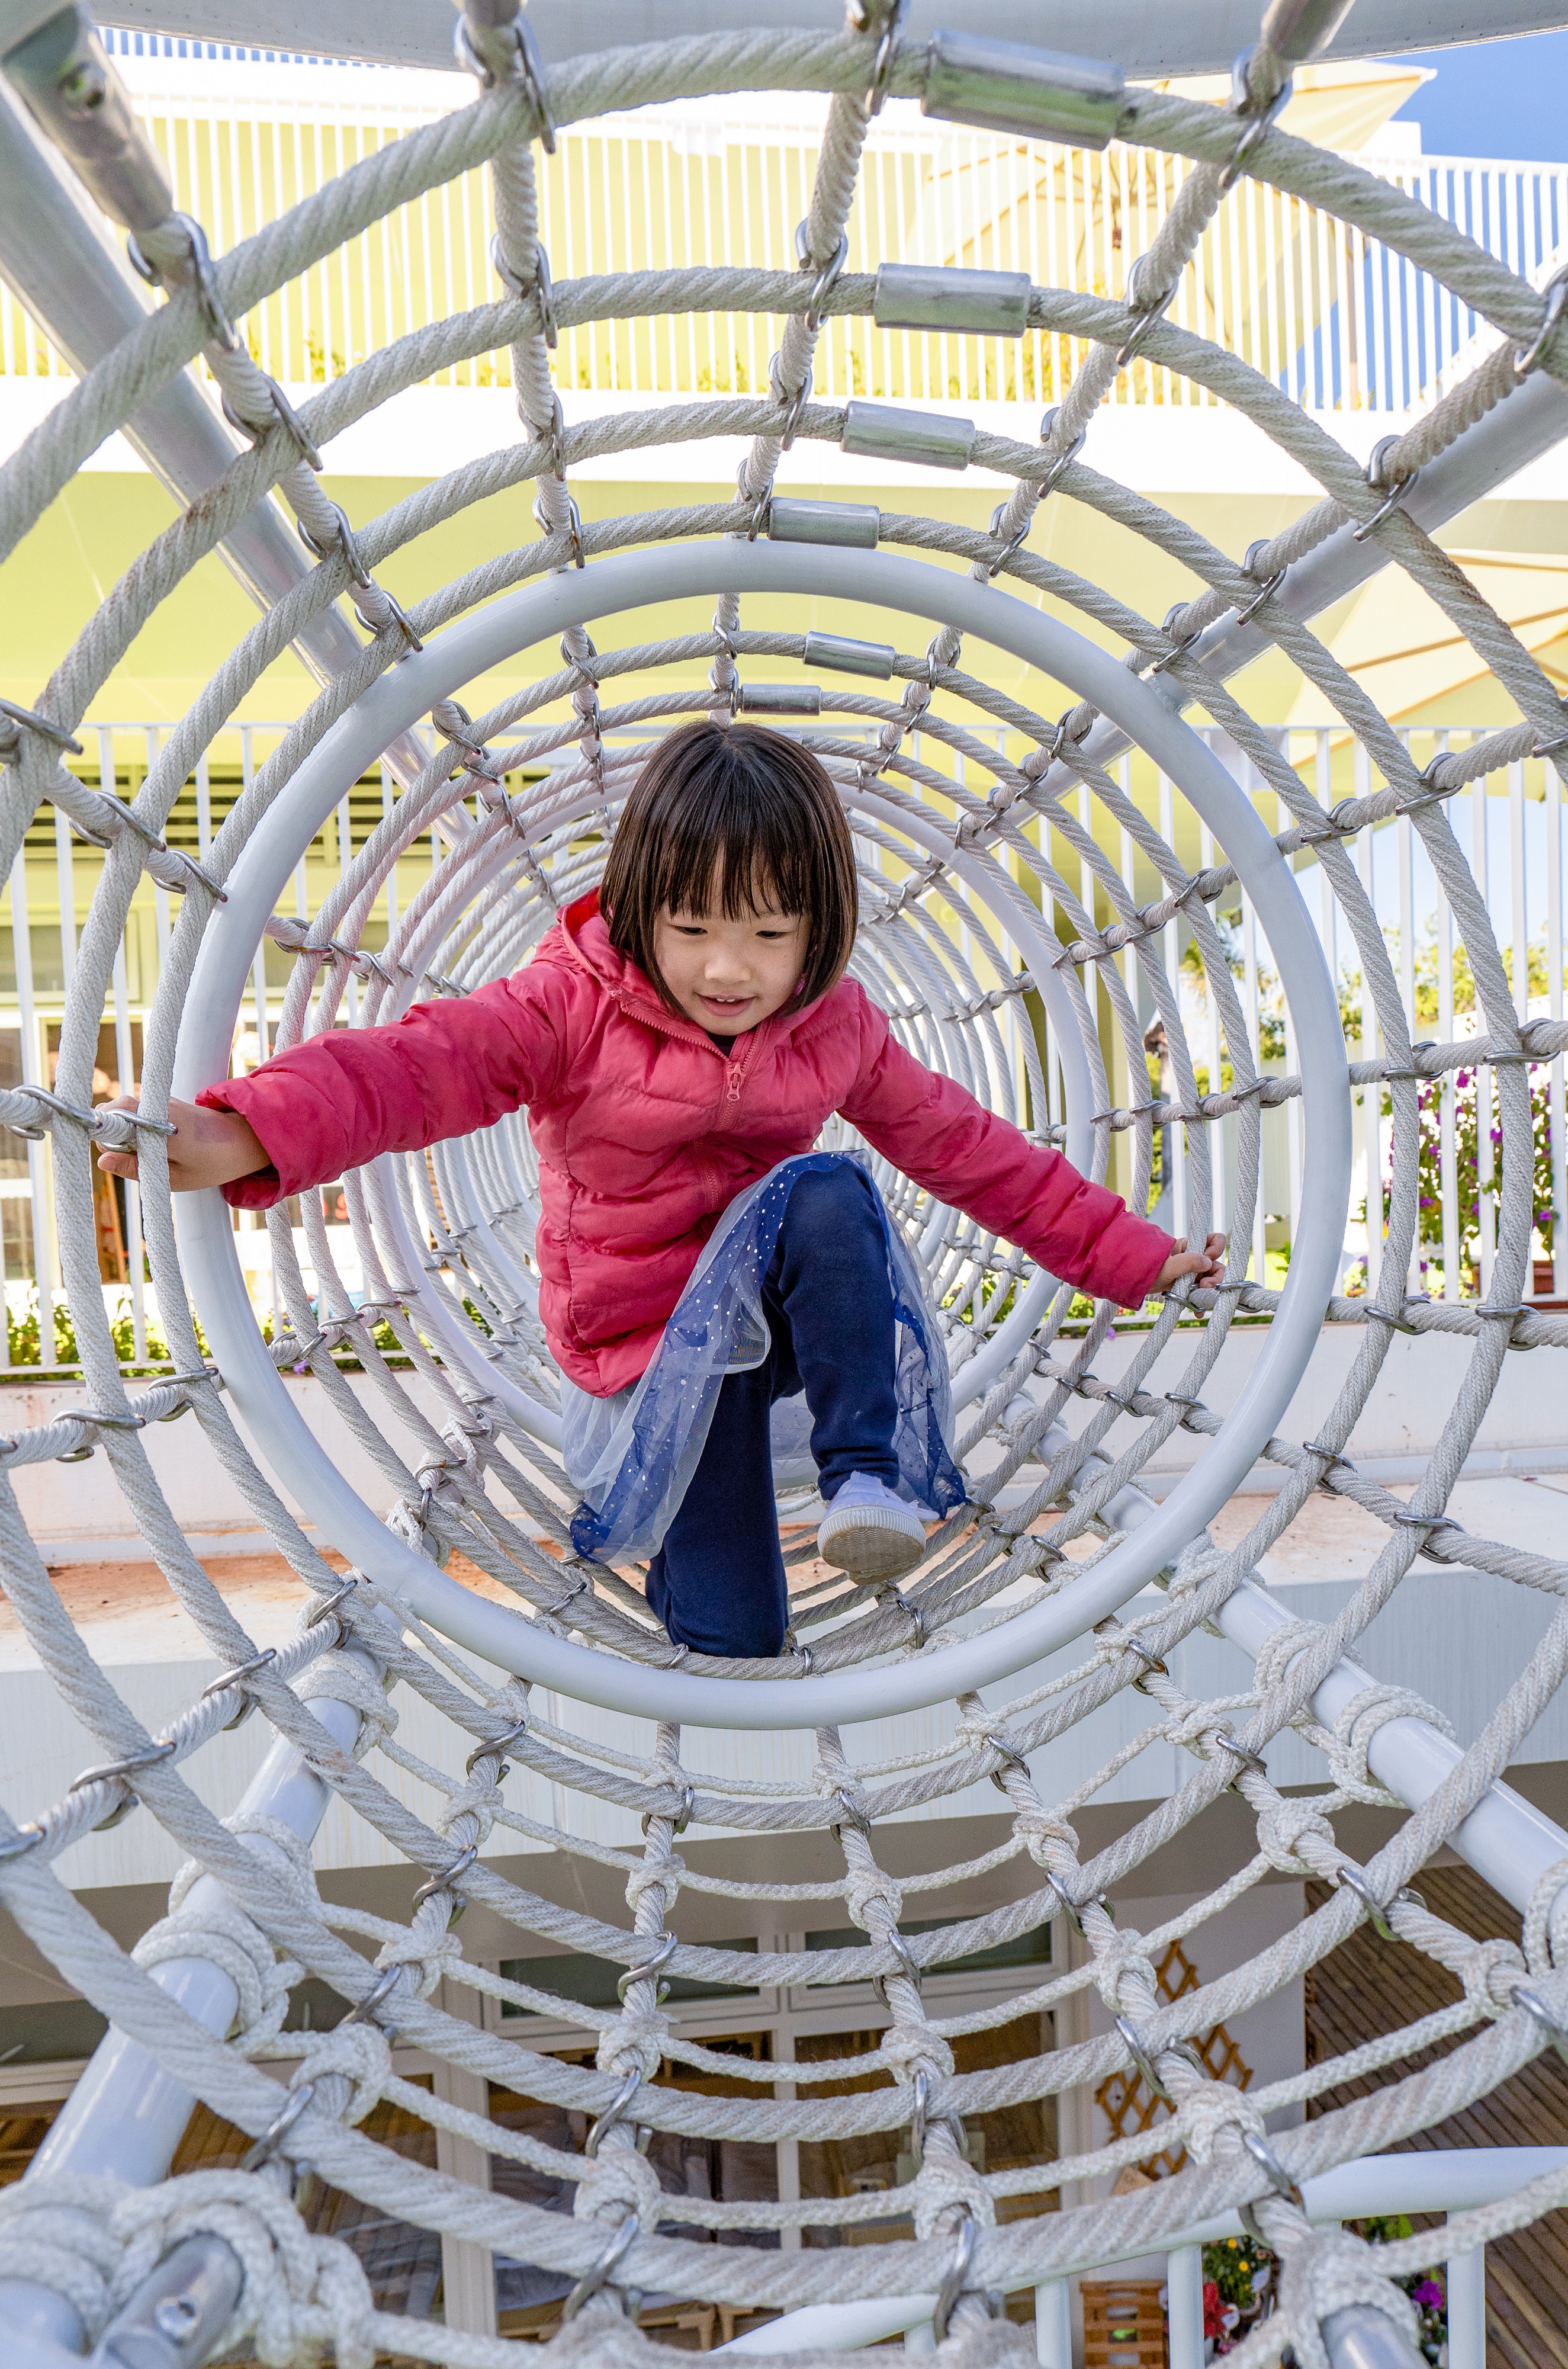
<point>734,1069</point>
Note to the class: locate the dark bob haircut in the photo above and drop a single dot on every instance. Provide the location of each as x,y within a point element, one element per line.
<point>743,817</point>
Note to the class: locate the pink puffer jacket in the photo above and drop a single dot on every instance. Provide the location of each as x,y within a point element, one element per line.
<point>645,1131</point>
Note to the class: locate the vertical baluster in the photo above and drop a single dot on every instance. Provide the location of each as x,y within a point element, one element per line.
<point>1183,2286</point>
<point>1254,1033</point>
<point>1480,800</point>
<point>45,1257</point>
<point>1407,976</point>
<point>1552,792</point>
<point>1466,2282</point>
<point>1218,1214</point>
<point>1053,2325</point>
<point>1447,1151</point>
<point>125,1064</point>
<point>1372,1097</point>
<point>1172,953</point>
<point>1328,910</point>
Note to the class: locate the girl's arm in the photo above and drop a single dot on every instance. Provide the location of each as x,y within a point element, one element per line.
<point>967,1156</point>
<point>338,1099</point>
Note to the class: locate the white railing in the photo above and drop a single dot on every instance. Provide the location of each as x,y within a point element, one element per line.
<point>1511,833</point>
<point>1443,2179</point>
<point>1330,316</point>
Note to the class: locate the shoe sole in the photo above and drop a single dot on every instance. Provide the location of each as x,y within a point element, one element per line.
<point>868,1544</point>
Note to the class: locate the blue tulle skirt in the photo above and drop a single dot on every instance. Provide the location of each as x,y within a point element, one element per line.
<point>633,1456</point>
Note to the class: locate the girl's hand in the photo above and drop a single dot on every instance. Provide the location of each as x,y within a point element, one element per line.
<point>1207,1265</point>
<point>208,1147</point>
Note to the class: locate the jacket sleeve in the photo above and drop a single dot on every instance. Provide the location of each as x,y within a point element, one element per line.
<point>953,1145</point>
<point>446,1068</point>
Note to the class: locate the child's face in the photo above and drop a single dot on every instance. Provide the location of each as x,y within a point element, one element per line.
<point>729,975</point>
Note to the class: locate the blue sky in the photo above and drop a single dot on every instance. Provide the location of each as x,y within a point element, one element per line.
<point>1496,99</point>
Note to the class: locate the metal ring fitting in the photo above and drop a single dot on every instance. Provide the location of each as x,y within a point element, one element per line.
<point>648,1972</point>
<point>1395,495</point>
<point>615,2113</point>
<point>1244,1760</point>
<point>236,1676</point>
<point>329,1603</point>
<point>827,277</point>
<point>882,64</point>
<point>493,1750</point>
<point>1530,360</point>
<point>270,2143</point>
<point>163,1750</point>
<point>445,1879</point>
<point>907,1966</point>
<point>953,2286</point>
<point>1279,2181</point>
<point>1355,1879</point>
<point>34,722</point>
<point>682,1817</point>
<point>609,2261</point>
<point>1536,2008</point>
<point>364,2011</point>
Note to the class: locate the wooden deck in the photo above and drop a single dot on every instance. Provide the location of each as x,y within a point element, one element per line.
<point>1370,1987</point>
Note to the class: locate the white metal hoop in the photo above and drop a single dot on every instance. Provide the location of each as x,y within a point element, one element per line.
<point>611,586</point>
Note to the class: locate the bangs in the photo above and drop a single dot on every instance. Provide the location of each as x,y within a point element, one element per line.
<point>742,816</point>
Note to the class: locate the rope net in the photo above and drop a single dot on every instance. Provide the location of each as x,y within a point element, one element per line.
<point>1005,939</point>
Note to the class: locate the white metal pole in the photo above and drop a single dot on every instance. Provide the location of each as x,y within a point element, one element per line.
<point>1053,2324</point>
<point>1183,2307</point>
<point>126,2115</point>
<point>1466,2309</point>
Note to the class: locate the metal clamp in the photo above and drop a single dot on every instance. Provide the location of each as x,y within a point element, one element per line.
<point>446,1879</point>
<point>920,2091</point>
<point>1182,647</point>
<point>527,70</point>
<point>96,1415</point>
<point>1149,315</point>
<point>679,1824</point>
<point>1354,1879</point>
<point>1536,2008</point>
<point>608,2263</point>
<point>18,1845</point>
<point>329,1603</point>
<point>493,1749</point>
<point>648,1970</point>
<point>203,274</point>
<point>1278,2179</point>
<point>270,2143</point>
<point>164,1749</point>
<point>1243,1757</point>
<point>286,417</point>
<point>826,276</point>
<point>1426,1524</point>
<point>540,286</point>
<point>882,64</point>
<point>792,405</point>
<point>1153,1668</point>
<point>953,2286</point>
<point>907,1967</point>
<point>1011,1758</point>
<point>1063,460</point>
<point>1332,1460</point>
<point>1266,589</point>
<point>1145,2062</point>
<point>1184,1399</point>
<point>344,546</point>
<point>1261,120</point>
<point>236,1676</point>
<point>1396,493</point>
<point>572,529</point>
<point>400,619</point>
<point>365,2009</point>
<point>1530,360</point>
<point>615,2113</point>
<point>849,1815</point>
<point>31,721</point>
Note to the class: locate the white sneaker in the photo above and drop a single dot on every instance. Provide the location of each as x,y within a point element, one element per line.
<point>870,1532</point>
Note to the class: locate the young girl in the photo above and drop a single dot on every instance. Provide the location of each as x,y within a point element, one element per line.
<point>679,1040</point>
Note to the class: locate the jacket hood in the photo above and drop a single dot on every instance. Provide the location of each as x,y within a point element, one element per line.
<point>586,941</point>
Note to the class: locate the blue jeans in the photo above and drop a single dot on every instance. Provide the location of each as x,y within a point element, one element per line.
<point>717,1583</point>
